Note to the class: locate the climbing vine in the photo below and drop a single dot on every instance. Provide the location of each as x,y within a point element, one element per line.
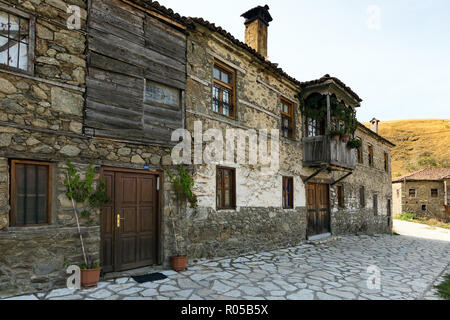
<point>315,107</point>
<point>183,184</point>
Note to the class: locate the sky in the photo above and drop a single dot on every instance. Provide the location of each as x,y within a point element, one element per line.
<point>395,54</point>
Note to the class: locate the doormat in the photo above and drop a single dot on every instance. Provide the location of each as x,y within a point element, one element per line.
<point>149,277</point>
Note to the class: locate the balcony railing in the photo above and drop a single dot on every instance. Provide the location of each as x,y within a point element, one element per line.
<point>321,150</point>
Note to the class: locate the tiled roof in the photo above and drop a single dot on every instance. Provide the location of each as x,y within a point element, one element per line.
<point>438,174</point>
<point>189,21</point>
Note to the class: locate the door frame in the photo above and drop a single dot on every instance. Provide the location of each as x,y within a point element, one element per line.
<point>328,185</point>
<point>159,207</point>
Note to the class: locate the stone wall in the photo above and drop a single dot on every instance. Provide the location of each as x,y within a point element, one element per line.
<point>376,181</point>
<point>41,119</point>
<point>434,207</point>
<point>257,107</point>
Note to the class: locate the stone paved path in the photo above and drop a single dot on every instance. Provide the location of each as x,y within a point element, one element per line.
<point>332,271</point>
<point>418,230</point>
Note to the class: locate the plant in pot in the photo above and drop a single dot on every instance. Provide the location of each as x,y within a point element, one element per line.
<point>183,184</point>
<point>83,192</point>
<point>336,134</point>
<point>354,144</point>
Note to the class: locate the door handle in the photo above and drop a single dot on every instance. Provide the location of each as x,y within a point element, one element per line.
<point>118,220</point>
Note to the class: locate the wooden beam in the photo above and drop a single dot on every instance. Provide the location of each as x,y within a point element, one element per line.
<point>339,180</point>
<point>325,167</point>
<point>328,115</point>
<point>155,14</point>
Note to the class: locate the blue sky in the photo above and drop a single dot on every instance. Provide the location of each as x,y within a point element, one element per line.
<point>395,53</point>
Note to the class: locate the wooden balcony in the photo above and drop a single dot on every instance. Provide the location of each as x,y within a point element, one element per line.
<point>322,150</point>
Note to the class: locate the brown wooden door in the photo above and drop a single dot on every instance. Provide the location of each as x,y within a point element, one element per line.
<point>129,223</point>
<point>318,209</point>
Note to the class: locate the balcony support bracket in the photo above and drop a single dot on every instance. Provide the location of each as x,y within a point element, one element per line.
<point>323,168</point>
<point>339,180</point>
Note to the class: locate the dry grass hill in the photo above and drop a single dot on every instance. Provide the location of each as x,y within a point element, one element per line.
<point>420,144</point>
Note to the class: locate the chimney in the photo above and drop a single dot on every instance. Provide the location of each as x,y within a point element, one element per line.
<point>256,24</point>
<point>374,125</point>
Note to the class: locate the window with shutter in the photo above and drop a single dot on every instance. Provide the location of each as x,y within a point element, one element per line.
<point>30,193</point>
<point>288,193</point>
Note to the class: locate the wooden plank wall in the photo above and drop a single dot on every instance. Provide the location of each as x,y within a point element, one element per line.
<point>127,50</point>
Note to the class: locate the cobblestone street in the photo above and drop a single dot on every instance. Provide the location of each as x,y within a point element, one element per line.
<point>335,270</point>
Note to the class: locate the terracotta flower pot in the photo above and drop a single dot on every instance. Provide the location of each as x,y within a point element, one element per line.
<point>336,138</point>
<point>345,139</point>
<point>90,278</point>
<point>179,263</point>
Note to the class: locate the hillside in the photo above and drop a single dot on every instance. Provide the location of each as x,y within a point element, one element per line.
<point>420,144</point>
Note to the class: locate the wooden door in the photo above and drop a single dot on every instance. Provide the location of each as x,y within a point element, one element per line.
<point>318,209</point>
<point>129,223</point>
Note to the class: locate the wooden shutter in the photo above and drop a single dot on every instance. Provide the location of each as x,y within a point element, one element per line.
<point>30,193</point>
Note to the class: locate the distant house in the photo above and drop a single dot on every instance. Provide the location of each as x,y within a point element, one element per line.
<point>425,193</point>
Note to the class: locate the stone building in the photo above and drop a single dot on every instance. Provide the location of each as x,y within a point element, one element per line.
<point>425,193</point>
<point>111,91</point>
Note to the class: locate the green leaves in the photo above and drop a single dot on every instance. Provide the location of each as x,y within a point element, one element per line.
<point>80,191</point>
<point>183,184</point>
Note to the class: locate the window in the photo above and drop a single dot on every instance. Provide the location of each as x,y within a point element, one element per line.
<point>360,153</point>
<point>224,90</point>
<point>16,40</point>
<point>340,196</point>
<point>434,193</point>
<point>398,193</point>
<point>375,204</point>
<point>362,197</point>
<point>225,188</point>
<point>424,207</point>
<point>371,156</point>
<point>288,193</point>
<point>287,119</point>
<point>315,128</point>
<point>412,193</point>
<point>386,162</point>
<point>30,193</point>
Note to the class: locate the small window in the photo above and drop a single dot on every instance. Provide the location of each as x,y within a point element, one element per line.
<point>362,196</point>
<point>412,193</point>
<point>225,188</point>
<point>424,207</point>
<point>360,153</point>
<point>398,193</point>
<point>375,204</point>
<point>371,156</point>
<point>16,40</point>
<point>224,90</point>
<point>287,119</point>
<point>288,193</point>
<point>30,193</point>
<point>340,196</point>
<point>434,193</point>
<point>386,162</point>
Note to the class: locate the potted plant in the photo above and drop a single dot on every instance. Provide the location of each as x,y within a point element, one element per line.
<point>90,275</point>
<point>346,138</point>
<point>336,134</point>
<point>83,192</point>
<point>354,144</point>
<point>183,184</point>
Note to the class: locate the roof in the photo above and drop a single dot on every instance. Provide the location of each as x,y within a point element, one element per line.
<point>190,21</point>
<point>326,78</point>
<point>437,174</point>
<point>368,130</point>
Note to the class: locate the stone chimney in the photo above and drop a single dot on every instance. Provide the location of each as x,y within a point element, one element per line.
<point>374,125</point>
<point>256,24</point>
